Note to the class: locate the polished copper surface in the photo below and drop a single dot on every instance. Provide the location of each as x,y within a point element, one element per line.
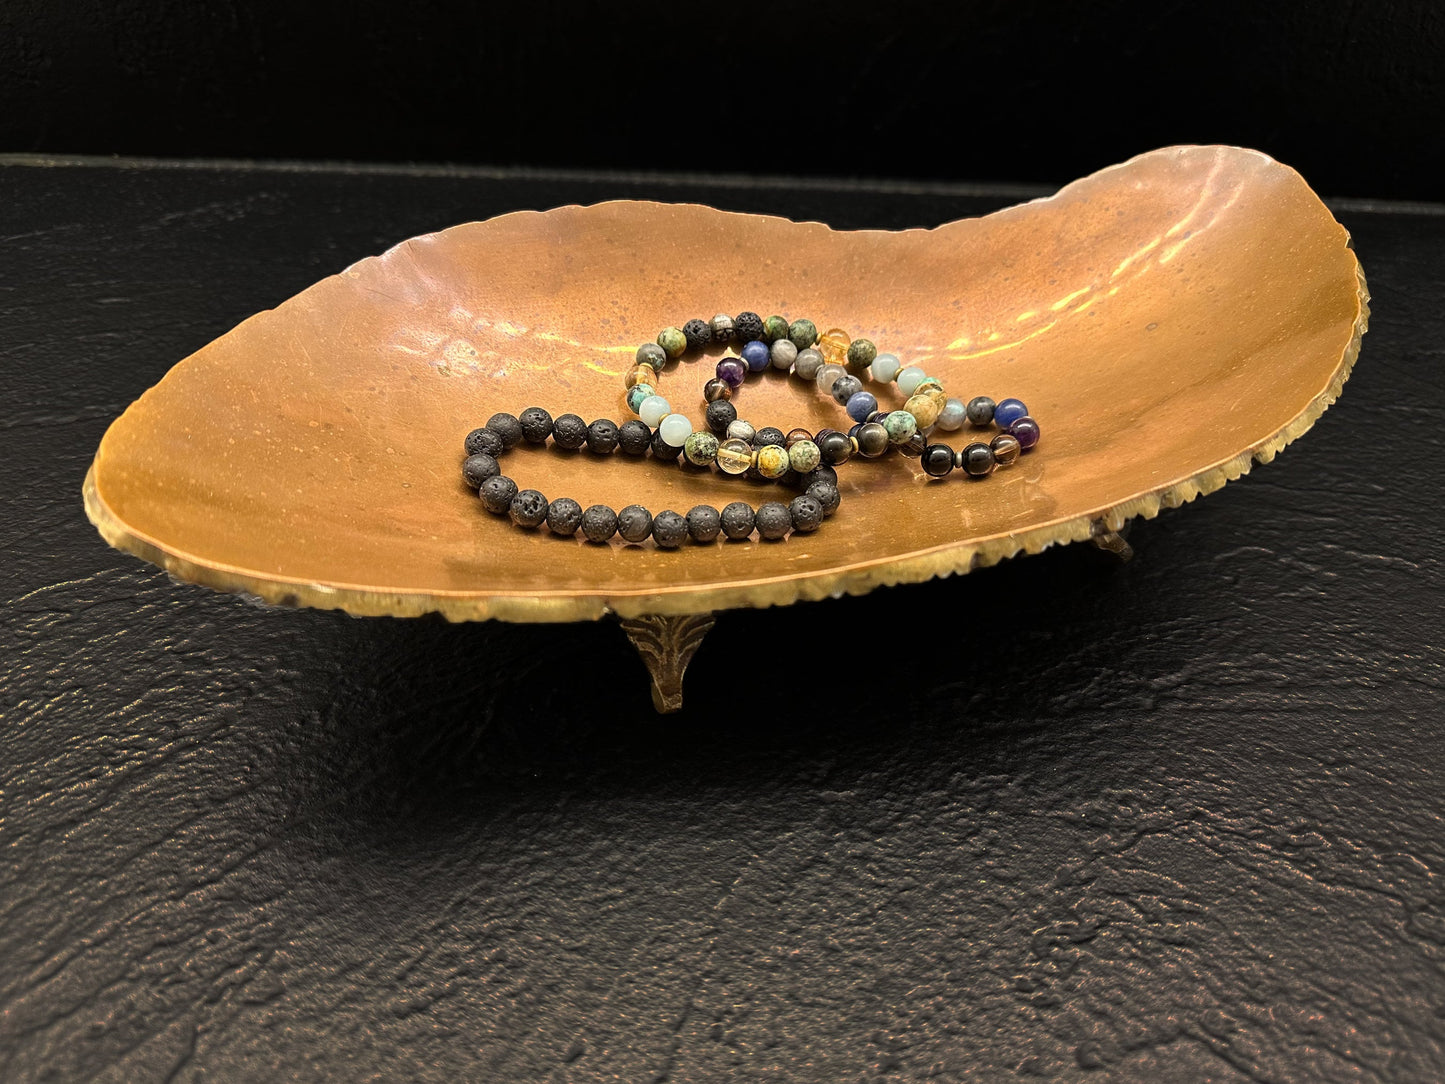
<point>1169,321</point>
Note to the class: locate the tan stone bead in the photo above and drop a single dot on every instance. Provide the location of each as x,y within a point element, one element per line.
<point>834,346</point>
<point>734,456</point>
<point>773,461</point>
<point>924,410</point>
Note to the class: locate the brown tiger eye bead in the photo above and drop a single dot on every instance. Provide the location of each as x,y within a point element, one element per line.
<point>795,435</point>
<point>716,389</point>
<point>643,374</point>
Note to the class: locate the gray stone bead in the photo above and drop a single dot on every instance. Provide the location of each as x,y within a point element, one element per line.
<point>980,410</point>
<point>703,523</point>
<point>599,523</point>
<point>563,516</point>
<point>722,328</point>
<point>484,440</point>
<point>737,520</point>
<point>478,468</point>
<point>634,523</point>
<point>806,513</point>
<point>528,508</point>
<point>783,354</point>
<point>845,387</point>
<point>827,496</point>
<point>668,529</point>
<point>602,436</point>
<point>652,355</point>
<point>497,493</point>
<point>569,431</point>
<point>773,520</point>
<point>807,364</point>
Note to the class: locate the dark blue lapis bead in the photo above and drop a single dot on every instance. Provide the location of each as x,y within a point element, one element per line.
<point>756,355</point>
<point>1008,412</point>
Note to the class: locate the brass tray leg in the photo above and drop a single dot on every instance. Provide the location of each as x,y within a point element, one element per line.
<point>1112,541</point>
<point>667,645</point>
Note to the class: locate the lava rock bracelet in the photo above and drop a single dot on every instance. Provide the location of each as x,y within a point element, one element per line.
<point>599,523</point>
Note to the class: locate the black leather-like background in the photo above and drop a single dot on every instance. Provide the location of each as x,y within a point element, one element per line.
<point>1178,819</point>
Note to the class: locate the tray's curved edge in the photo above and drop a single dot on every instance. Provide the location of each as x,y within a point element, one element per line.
<point>914,569</point>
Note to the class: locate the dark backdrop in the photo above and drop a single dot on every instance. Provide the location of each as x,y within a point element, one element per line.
<point>1020,90</point>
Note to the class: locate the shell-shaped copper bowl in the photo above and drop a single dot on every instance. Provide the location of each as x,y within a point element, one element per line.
<point>1169,320</point>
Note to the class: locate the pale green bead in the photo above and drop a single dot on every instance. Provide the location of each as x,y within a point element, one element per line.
<point>672,341</point>
<point>901,425</point>
<point>910,378</point>
<point>804,456</point>
<point>701,448</point>
<point>885,367</point>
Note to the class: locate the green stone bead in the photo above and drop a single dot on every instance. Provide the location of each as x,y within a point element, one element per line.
<point>900,425</point>
<point>804,456</point>
<point>861,353</point>
<point>775,328</point>
<point>673,341</point>
<point>636,394</point>
<point>700,448</point>
<point>804,333</point>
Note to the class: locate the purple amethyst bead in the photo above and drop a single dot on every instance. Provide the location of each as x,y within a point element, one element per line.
<point>732,372</point>
<point>1026,431</point>
<point>861,405</point>
<point>757,354</point>
<point>1007,412</point>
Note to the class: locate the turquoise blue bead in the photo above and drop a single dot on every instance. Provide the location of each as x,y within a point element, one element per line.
<point>636,394</point>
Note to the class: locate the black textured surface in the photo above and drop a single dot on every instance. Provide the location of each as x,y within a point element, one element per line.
<point>1351,93</point>
<point>1178,819</point>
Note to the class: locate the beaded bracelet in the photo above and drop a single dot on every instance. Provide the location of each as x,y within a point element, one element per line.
<point>832,362</point>
<point>529,508</point>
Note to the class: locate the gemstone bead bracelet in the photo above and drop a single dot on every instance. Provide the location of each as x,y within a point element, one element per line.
<point>835,362</point>
<point>668,529</point>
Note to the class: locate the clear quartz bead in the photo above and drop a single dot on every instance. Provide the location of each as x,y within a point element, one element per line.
<point>827,376</point>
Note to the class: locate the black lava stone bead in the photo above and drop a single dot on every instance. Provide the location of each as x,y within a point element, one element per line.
<point>599,523</point>
<point>821,474</point>
<point>497,493</point>
<point>506,427</point>
<point>698,334</point>
<point>529,508</point>
<point>669,529</point>
<point>703,523</point>
<point>747,326</point>
<point>720,415</point>
<point>827,495</point>
<point>836,448</point>
<point>978,460</point>
<point>536,425</point>
<point>737,520</point>
<point>979,410</point>
<point>603,436</point>
<point>773,520</point>
<point>484,440</point>
<point>807,513</point>
<point>661,449</point>
<point>938,460</point>
<point>769,435</point>
<point>845,387</point>
<point>478,468</point>
<point>569,431</point>
<point>634,523</point>
<point>634,437</point>
<point>563,516</point>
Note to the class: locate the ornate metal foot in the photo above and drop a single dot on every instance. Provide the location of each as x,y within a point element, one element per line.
<point>1112,541</point>
<point>667,645</point>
